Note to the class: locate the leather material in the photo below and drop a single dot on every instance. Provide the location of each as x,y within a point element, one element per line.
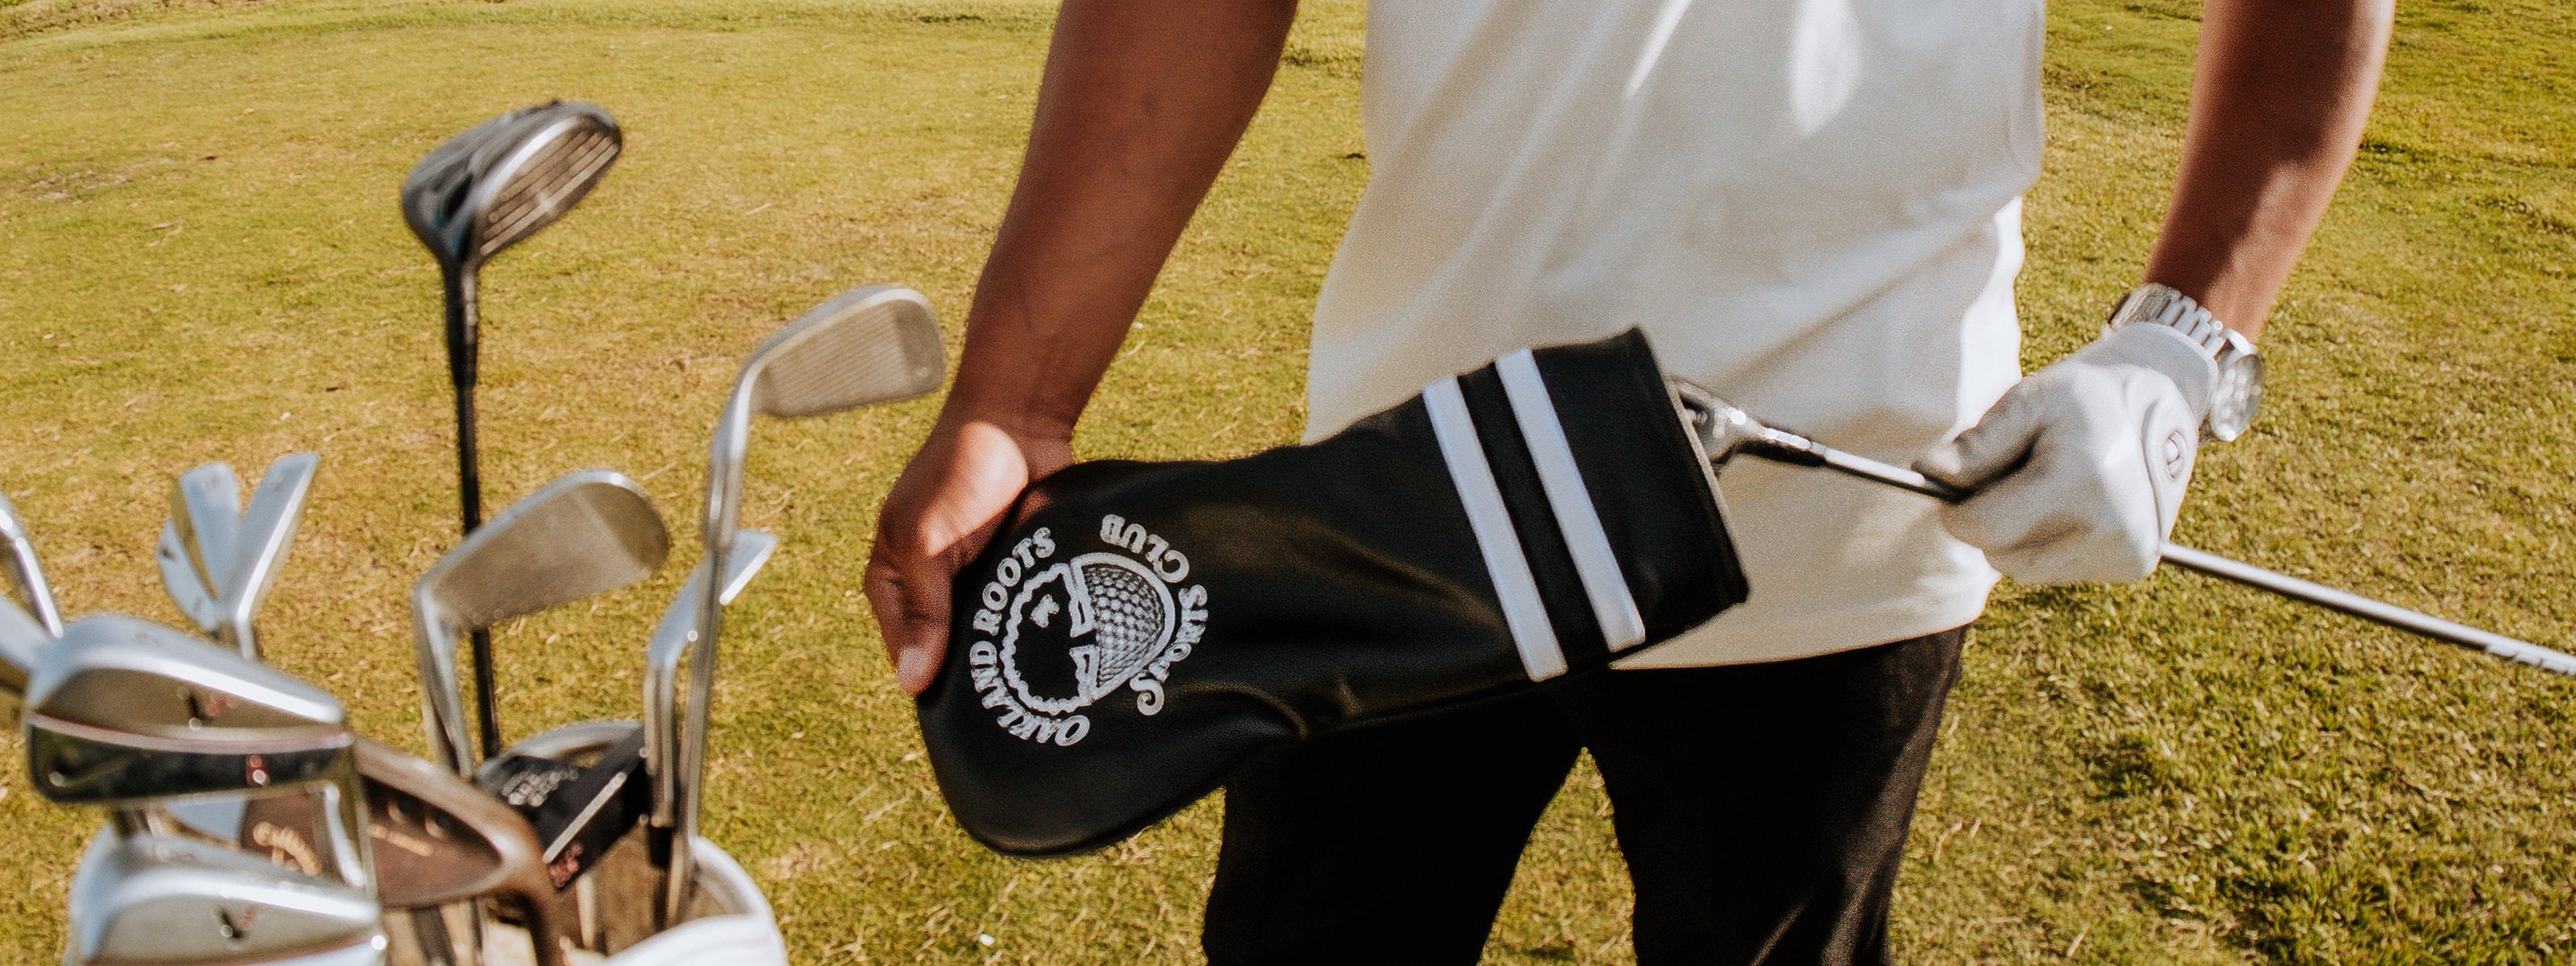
<point>1138,631</point>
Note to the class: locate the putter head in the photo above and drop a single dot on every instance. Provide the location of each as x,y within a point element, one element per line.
<point>672,639</point>
<point>18,557</point>
<point>869,345</point>
<point>504,179</point>
<point>585,533</point>
<point>149,899</point>
<point>123,711</point>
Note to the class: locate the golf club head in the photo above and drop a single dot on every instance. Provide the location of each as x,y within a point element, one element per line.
<point>18,557</point>
<point>205,508</point>
<point>150,899</point>
<point>260,544</point>
<point>442,840</point>
<point>671,641</point>
<point>579,741</point>
<point>586,533</point>
<point>122,711</point>
<point>869,345</point>
<point>507,178</point>
<point>187,587</point>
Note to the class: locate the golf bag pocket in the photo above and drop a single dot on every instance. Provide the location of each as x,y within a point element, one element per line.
<point>1138,631</point>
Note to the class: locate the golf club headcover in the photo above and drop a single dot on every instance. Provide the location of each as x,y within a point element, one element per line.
<point>1136,632</point>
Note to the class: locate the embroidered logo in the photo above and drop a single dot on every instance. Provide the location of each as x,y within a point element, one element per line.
<point>1053,637</point>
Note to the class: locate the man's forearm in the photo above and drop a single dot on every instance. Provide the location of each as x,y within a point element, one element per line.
<point>2278,99</point>
<point>1141,103</point>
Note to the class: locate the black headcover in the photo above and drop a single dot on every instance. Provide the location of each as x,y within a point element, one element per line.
<point>1138,631</point>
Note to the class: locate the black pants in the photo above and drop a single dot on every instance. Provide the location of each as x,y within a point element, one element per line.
<point>1762,810</point>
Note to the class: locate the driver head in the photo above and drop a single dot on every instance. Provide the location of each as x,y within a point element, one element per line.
<point>148,899</point>
<point>123,711</point>
<point>588,532</point>
<point>869,345</point>
<point>505,179</point>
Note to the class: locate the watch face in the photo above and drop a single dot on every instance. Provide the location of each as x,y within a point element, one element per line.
<point>2239,392</point>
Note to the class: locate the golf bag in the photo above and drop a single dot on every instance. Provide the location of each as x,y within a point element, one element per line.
<point>1137,631</point>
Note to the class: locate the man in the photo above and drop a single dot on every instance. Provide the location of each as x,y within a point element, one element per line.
<point>1812,207</point>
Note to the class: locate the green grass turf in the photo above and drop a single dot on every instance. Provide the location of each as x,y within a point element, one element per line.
<point>200,259</point>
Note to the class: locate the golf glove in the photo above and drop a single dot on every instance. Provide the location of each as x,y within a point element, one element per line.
<point>2080,468</point>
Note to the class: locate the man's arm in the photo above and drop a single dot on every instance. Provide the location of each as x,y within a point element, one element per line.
<point>2278,97</point>
<point>1140,105</point>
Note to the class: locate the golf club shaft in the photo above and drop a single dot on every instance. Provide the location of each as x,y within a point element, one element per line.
<point>2340,601</point>
<point>463,350</point>
<point>26,571</point>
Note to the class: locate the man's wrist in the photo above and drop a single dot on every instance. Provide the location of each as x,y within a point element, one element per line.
<point>2228,398</point>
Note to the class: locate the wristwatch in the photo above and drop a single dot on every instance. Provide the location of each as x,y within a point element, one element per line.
<point>2240,370</point>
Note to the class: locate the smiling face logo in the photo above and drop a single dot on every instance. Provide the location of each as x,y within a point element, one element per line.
<point>1107,616</point>
<point>1054,637</point>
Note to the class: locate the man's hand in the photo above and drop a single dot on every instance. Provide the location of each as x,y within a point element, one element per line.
<point>939,516</point>
<point>2080,468</point>
<point>1141,103</point>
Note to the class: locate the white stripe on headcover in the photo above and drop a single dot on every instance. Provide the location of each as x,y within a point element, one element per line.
<point>1603,584</point>
<point>1513,584</point>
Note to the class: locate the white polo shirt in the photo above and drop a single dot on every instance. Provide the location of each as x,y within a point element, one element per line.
<point>1811,206</point>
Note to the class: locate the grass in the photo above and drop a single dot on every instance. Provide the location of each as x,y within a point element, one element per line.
<point>200,260</point>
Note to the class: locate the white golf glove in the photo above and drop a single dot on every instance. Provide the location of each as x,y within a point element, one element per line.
<point>2080,468</point>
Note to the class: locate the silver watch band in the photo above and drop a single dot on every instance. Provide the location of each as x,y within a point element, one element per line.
<point>2164,305</point>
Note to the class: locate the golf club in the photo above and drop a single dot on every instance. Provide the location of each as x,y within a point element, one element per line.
<point>671,640</point>
<point>1725,431</point>
<point>443,840</point>
<point>587,532</point>
<point>472,197</point>
<point>205,508</point>
<point>22,643</point>
<point>188,589</point>
<point>128,714</point>
<point>572,749</point>
<point>25,572</point>
<point>869,345</point>
<point>148,899</point>
<point>218,567</point>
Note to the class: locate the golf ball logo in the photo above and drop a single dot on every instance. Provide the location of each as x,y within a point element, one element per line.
<point>1053,637</point>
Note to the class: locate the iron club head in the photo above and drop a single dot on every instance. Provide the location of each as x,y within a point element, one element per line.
<point>18,557</point>
<point>869,345</point>
<point>205,507</point>
<point>129,714</point>
<point>444,840</point>
<point>149,899</point>
<point>585,533</point>
<point>179,575</point>
<point>259,549</point>
<point>122,710</point>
